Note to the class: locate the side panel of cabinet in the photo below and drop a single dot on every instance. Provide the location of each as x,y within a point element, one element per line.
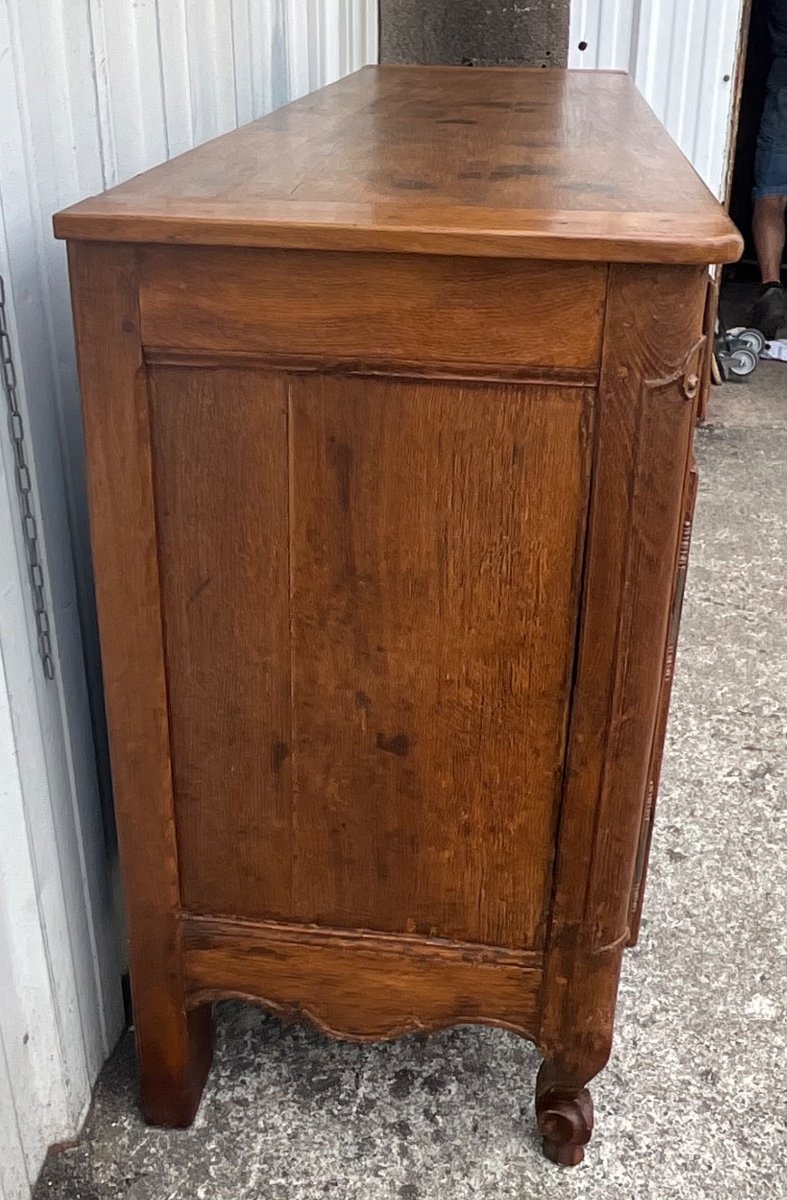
<point>370,593</point>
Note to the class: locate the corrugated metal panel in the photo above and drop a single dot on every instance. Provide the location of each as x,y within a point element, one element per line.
<point>93,92</point>
<point>681,54</point>
<point>172,75</point>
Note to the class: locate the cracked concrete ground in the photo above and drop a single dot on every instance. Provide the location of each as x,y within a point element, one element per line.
<point>691,1105</point>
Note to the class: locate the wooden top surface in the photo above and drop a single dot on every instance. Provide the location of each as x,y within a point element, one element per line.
<point>444,160</point>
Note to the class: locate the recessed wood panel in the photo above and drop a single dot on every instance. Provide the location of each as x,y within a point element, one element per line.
<point>436,538</point>
<point>370,592</point>
<point>220,468</point>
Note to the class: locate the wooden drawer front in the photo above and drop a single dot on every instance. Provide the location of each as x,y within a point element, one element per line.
<point>413,311</point>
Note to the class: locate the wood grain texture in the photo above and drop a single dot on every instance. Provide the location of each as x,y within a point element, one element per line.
<point>316,364</point>
<point>174,1046</point>
<point>358,986</point>
<point>527,163</point>
<point>221,480</point>
<point>395,765</point>
<point>647,405</point>
<point>436,543</point>
<point>709,329</point>
<point>668,674</point>
<point>369,309</point>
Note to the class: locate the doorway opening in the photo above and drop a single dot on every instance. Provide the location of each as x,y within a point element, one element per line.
<point>741,283</point>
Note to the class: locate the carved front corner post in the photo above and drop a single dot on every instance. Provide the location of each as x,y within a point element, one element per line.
<point>646,411</point>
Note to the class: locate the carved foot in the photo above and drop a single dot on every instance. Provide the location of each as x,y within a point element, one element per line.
<point>565,1117</point>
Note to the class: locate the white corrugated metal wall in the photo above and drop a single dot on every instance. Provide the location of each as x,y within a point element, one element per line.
<point>681,54</point>
<point>93,92</point>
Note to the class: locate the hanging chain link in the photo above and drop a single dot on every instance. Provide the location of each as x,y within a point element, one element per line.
<point>24,485</point>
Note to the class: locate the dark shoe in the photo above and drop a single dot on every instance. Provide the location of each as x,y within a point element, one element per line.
<point>768,313</point>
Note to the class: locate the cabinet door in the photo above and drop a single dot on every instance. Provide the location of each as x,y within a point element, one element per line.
<point>370,591</point>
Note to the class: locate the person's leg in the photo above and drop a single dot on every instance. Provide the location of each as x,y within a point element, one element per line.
<point>769,235</point>
<point>770,201</point>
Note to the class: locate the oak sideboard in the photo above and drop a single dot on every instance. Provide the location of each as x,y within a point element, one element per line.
<point>389,400</point>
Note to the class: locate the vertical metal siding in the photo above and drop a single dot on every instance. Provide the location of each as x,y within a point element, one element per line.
<point>681,54</point>
<point>94,91</point>
<point>171,75</point>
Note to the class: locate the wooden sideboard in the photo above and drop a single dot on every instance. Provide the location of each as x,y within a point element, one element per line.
<point>389,401</point>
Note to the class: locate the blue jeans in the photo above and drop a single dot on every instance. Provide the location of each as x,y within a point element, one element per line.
<point>770,164</point>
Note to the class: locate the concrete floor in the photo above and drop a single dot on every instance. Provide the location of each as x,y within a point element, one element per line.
<point>692,1103</point>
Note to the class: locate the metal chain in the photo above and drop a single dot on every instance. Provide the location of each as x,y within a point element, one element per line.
<point>24,485</point>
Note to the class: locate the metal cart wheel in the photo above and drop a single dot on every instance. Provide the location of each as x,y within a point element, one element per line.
<point>753,339</point>
<point>741,362</point>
